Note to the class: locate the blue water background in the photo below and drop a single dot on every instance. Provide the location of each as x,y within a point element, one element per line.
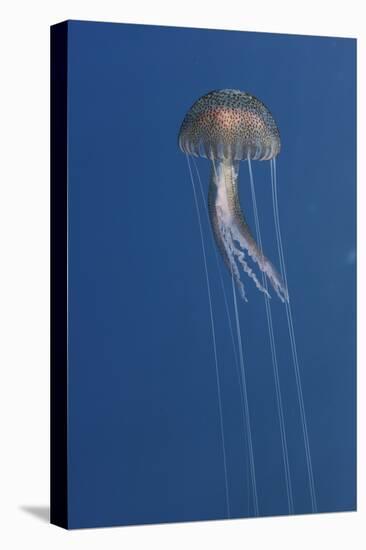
<point>144,432</point>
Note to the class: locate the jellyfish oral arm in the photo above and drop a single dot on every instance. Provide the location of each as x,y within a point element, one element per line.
<point>230,241</point>
<point>232,233</point>
<point>222,236</point>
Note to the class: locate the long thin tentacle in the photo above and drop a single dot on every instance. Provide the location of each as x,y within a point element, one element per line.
<point>246,404</point>
<point>218,383</point>
<point>228,315</point>
<point>293,340</point>
<point>222,231</point>
<point>274,356</point>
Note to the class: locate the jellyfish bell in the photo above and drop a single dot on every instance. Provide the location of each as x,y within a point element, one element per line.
<point>226,127</point>
<point>229,124</point>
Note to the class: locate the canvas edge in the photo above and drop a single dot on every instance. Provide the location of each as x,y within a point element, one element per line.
<point>58,313</point>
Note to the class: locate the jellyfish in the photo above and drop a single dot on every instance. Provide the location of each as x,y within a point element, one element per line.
<point>228,127</point>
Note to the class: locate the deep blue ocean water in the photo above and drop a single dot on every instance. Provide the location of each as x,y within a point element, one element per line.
<point>144,431</point>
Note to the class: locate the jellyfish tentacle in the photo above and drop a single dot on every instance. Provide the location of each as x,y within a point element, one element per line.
<point>237,353</point>
<point>246,405</point>
<point>290,325</point>
<point>213,331</point>
<point>280,411</point>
